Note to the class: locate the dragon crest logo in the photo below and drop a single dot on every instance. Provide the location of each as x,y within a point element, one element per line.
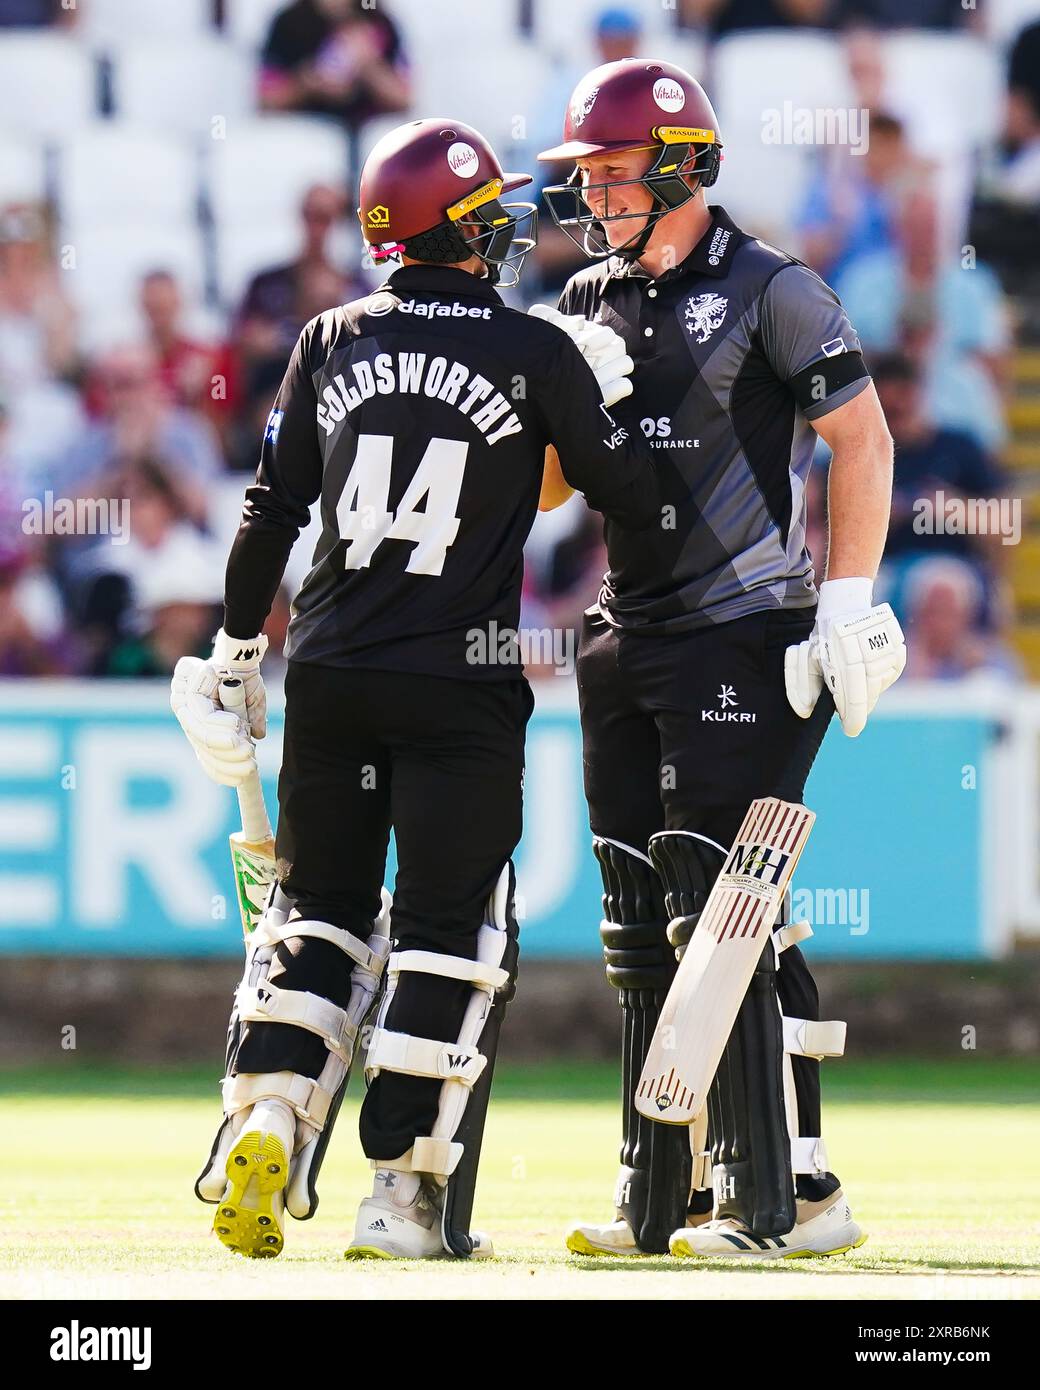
<point>581,109</point>
<point>704,314</point>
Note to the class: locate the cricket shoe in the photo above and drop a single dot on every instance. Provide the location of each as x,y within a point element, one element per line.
<point>614,1238</point>
<point>821,1228</point>
<point>610,1238</point>
<point>249,1217</point>
<point>402,1221</point>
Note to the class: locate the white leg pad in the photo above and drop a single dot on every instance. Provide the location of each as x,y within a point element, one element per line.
<point>312,1098</point>
<point>457,1065</point>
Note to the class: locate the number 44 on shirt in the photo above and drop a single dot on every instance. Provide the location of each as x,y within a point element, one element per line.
<point>363,514</point>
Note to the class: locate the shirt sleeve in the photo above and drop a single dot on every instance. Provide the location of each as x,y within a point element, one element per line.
<point>599,457</point>
<point>809,341</point>
<point>277,506</point>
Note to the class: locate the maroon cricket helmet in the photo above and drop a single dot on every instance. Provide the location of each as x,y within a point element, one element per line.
<point>637,103</point>
<point>427,183</point>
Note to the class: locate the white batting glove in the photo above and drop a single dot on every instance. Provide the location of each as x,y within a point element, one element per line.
<point>220,739</point>
<point>233,656</point>
<point>856,647</point>
<point>602,348</point>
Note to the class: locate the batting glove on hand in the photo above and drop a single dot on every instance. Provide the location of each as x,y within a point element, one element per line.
<point>234,657</point>
<point>859,652</point>
<point>220,739</point>
<point>602,348</point>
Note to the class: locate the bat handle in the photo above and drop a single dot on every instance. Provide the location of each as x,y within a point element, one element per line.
<point>256,826</point>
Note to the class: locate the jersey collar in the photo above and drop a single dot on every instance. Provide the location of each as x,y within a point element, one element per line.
<point>711,256</point>
<point>440,279</point>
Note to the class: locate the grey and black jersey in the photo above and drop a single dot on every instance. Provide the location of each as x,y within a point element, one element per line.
<point>736,350</point>
<point>420,415</point>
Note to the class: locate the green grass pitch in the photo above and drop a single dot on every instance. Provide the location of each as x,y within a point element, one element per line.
<point>940,1160</point>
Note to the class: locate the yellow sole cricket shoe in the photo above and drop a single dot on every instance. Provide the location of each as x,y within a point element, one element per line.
<point>369,1252</point>
<point>681,1249</point>
<point>615,1239</point>
<point>249,1216</point>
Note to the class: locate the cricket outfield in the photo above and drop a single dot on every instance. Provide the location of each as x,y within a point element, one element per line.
<point>941,1161</point>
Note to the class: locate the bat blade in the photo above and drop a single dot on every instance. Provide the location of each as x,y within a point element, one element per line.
<point>716,969</point>
<point>252,847</point>
<point>253,865</point>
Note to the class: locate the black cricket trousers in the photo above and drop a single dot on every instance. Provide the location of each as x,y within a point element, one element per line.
<point>438,760</point>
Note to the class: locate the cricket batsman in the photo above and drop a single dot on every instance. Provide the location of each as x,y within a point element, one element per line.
<point>419,415</point>
<point>710,642</point>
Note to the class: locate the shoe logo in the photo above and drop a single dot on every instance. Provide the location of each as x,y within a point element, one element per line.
<point>379,1225</point>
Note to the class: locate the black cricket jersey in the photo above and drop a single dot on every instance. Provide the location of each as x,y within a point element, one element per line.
<point>420,416</point>
<point>736,350</point>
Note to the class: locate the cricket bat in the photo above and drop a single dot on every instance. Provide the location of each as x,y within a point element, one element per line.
<point>252,847</point>
<point>715,972</point>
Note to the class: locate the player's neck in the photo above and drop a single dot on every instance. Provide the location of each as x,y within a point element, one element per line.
<point>473,265</point>
<point>675,236</point>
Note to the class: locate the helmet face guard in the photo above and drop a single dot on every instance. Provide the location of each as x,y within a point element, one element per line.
<point>490,232</point>
<point>667,181</point>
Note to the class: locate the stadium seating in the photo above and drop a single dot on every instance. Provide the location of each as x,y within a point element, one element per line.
<point>755,73</point>
<point>115,21</point>
<point>48,83</point>
<point>269,164</point>
<point>180,85</point>
<point>109,170</point>
<point>22,171</point>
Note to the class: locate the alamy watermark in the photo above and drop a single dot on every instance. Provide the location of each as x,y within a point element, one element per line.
<point>77,516</point>
<point>969,516</point>
<point>817,125</point>
<point>525,646</point>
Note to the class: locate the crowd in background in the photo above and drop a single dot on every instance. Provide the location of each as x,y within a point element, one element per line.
<point>171,417</point>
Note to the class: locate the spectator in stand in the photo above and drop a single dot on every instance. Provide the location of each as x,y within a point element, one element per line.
<point>950,316</point>
<point>104,580</point>
<point>38,344</point>
<point>135,422</point>
<point>934,466</point>
<point>277,304</point>
<point>716,18</point>
<point>1005,222</point>
<point>905,14</point>
<point>24,649</point>
<point>179,612</point>
<point>194,375</point>
<point>852,201</point>
<point>37,322</point>
<point>1020,177</point>
<point>32,628</point>
<point>339,58</point>
<point>164,568</point>
<point>944,641</point>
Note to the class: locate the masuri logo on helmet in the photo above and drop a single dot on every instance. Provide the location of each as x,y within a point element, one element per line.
<point>619,107</point>
<point>431,189</point>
